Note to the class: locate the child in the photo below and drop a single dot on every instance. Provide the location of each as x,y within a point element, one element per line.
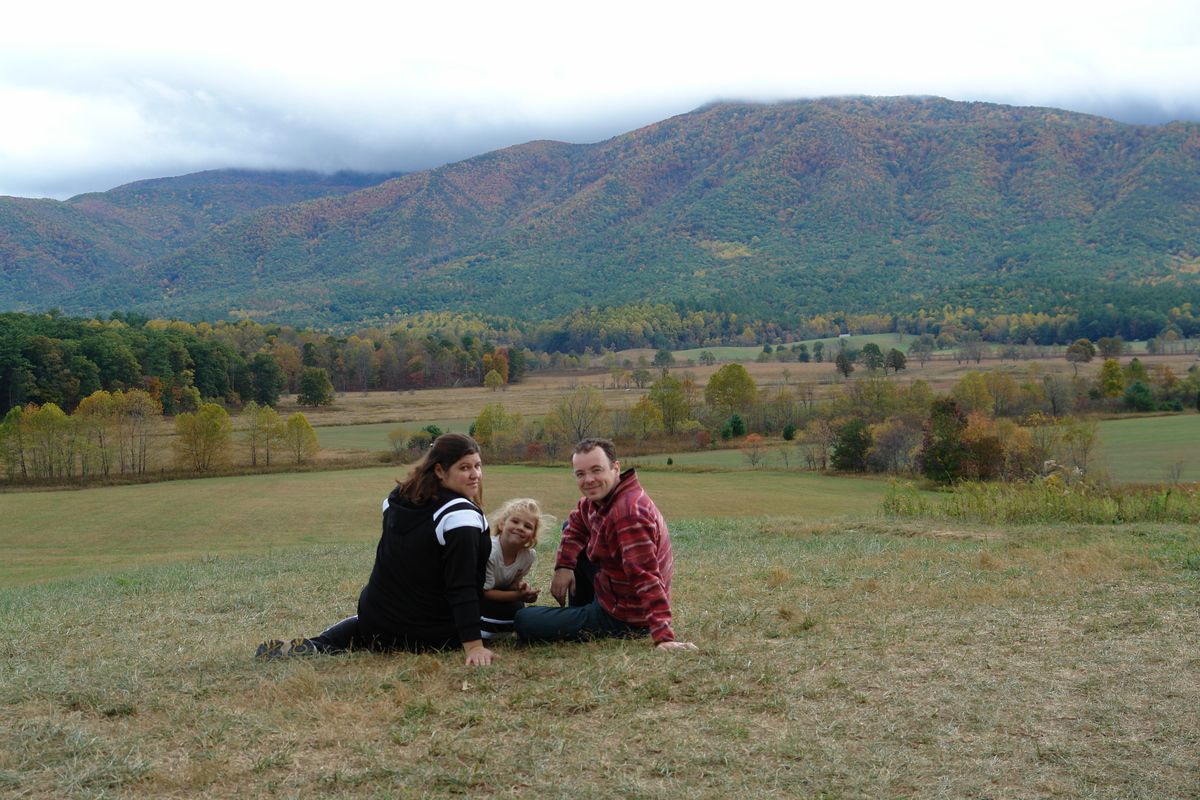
<point>516,527</point>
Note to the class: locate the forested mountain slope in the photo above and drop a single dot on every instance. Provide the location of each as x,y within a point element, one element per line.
<point>853,204</point>
<point>50,248</point>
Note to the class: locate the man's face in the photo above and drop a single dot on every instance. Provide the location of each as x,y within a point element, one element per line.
<point>595,474</point>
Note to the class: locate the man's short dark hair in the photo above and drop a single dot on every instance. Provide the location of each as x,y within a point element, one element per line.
<point>588,445</point>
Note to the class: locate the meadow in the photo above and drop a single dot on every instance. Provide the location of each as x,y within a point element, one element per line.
<point>55,535</point>
<point>858,657</point>
<point>843,653</point>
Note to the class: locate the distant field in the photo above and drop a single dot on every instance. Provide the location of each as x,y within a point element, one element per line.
<point>1133,450</point>
<point>52,535</point>
<point>1152,449</point>
<point>886,341</point>
<point>373,436</point>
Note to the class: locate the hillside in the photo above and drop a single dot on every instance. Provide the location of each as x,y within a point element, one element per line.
<point>861,204</point>
<point>48,248</point>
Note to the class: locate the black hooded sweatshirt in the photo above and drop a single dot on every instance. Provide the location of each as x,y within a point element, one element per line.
<point>429,571</point>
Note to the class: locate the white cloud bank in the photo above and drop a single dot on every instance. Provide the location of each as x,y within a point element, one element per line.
<point>98,95</point>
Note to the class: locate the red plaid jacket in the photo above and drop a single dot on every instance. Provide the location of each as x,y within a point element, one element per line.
<point>626,538</point>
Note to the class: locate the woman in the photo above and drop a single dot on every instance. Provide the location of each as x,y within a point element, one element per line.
<point>430,564</point>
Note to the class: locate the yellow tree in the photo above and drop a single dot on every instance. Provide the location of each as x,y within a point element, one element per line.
<point>644,418</point>
<point>495,428</point>
<point>972,394</point>
<point>578,414</point>
<point>730,389</point>
<point>1110,380</point>
<point>205,437</point>
<point>262,431</point>
<point>299,439</point>
<point>97,418</point>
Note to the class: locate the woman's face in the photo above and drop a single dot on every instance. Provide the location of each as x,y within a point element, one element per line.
<point>464,476</point>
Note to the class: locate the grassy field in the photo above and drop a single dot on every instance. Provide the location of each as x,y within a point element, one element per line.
<point>857,659</point>
<point>55,535</point>
<point>843,655</point>
<point>1152,449</point>
<point>1137,449</point>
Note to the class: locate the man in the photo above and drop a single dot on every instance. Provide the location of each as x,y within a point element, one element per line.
<point>614,563</point>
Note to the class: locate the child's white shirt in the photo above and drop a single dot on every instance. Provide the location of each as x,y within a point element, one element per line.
<point>507,576</point>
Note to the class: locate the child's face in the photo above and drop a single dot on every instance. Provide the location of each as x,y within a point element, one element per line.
<point>518,530</point>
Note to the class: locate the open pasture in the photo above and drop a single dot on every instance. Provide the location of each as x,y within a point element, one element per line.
<point>856,659</point>
<point>55,535</point>
<point>1141,449</point>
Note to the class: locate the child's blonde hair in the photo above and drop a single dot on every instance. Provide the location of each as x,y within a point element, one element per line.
<point>521,505</point>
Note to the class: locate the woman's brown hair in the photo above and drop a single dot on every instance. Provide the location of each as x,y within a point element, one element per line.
<point>423,484</point>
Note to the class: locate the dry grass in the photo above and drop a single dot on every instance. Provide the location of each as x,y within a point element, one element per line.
<point>536,394</point>
<point>842,660</point>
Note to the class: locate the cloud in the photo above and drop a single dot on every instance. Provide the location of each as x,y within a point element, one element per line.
<point>97,95</point>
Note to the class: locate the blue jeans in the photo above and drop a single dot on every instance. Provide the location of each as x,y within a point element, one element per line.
<point>582,618</point>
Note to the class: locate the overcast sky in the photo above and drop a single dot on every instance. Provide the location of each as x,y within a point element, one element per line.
<point>94,95</point>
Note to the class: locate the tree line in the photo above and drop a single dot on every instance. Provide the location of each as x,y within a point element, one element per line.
<point>992,424</point>
<point>123,435</point>
<point>47,358</point>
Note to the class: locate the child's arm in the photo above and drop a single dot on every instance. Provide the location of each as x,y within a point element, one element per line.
<point>504,595</point>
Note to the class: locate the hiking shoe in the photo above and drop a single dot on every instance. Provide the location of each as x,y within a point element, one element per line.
<point>275,649</point>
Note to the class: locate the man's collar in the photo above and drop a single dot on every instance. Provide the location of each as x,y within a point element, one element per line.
<point>625,478</point>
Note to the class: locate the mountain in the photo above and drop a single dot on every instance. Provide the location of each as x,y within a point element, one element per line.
<point>848,204</point>
<point>49,249</point>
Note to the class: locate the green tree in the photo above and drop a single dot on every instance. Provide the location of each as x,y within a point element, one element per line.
<point>269,380</point>
<point>1110,347</point>
<point>1081,351</point>
<point>1139,397</point>
<point>641,377</point>
<point>844,364</point>
<point>737,425</point>
<point>299,439</point>
<point>669,398</point>
<point>895,361</point>
<point>663,358</point>
<point>492,380</point>
<point>205,437</point>
<point>872,357</point>
<point>707,358</point>
<point>942,448</point>
<point>730,389</point>
<point>314,388</point>
<point>851,446</point>
<point>1135,370</point>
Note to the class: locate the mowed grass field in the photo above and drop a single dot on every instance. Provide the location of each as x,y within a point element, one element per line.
<point>1151,449</point>
<point>55,535</point>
